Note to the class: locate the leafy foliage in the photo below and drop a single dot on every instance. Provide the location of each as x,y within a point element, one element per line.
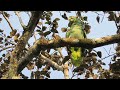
<point>46,27</point>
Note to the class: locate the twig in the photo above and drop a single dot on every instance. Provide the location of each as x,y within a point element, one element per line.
<point>106,51</point>
<point>109,50</point>
<point>8,21</point>
<point>99,14</point>
<point>73,75</point>
<point>34,36</point>
<point>52,62</point>
<point>28,14</point>
<point>103,17</point>
<point>6,48</point>
<point>108,56</point>
<point>60,14</point>
<point>116,22</point>
<point>59,50</point>
<point>20,19</point>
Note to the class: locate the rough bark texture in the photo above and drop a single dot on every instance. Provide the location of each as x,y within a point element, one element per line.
<point>28,31</point>
<point>42,44</point>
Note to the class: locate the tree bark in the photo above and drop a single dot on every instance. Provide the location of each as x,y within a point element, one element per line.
<point>42,44</point>
<point>16,53</point>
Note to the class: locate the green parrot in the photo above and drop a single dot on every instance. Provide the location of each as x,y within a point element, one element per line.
<point>76,31</point>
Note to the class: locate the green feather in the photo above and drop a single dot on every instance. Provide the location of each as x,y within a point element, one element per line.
<point>76,31</point>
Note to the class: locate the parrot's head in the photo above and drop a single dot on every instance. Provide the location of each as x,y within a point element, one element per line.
<point>75,20</point>
<point>72,18</point>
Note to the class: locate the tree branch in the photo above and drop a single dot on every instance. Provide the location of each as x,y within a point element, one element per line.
<point>7,21</point>
<point>6,48</point>
<point>52,62</point>
<point>66,71</point>
<point>16,53</point>
<point>42,44</point>
<point>34,51</point>
<point>27,32</point>
<point>20,19</point>
<point>86,43</point>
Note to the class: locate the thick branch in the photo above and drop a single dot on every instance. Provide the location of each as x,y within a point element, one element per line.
<point>86,43</point>
<point>28,32</point>
<point>22,43</point>
<point>34,51</point>
<point>45,44</point>
<point>66,71</point>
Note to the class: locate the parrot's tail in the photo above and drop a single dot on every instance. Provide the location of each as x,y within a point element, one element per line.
<point>76,56</point>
